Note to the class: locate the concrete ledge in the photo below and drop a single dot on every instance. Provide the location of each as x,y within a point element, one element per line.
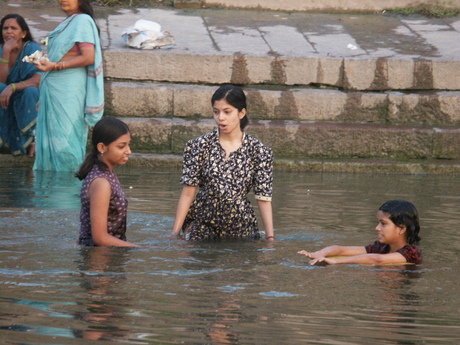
<point>418,167</point>
<point>364,74</point>
<point>339,165</point>
<point>324,5</point>
<point>305,140</point>
<point>162,100</point>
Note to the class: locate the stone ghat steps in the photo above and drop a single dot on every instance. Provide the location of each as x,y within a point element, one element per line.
<point>381,166</point>
<point>297,123</point>
<point>168,100</point>
<point>301,140</point>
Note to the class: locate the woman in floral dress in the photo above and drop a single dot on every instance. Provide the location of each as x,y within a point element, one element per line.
<point>223,166</point>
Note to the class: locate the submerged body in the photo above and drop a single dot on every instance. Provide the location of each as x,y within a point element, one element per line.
<point>397,231</point>
<point>224,166</point>
<point>117,212</point>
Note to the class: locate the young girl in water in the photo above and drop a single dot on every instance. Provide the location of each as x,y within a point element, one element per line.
<point>223,166</point>
<point>103,203</point>
<point>398,228</point>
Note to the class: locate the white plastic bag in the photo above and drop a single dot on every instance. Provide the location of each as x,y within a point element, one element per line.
<point>146,34</point>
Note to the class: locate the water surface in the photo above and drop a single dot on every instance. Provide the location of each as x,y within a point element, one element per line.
<point>245,292</point>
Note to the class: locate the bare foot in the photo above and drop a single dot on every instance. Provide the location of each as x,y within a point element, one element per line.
<point>31,150</point>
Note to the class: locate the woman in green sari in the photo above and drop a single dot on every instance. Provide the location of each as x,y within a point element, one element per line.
<point>18,86</point>
<point>71,90</point>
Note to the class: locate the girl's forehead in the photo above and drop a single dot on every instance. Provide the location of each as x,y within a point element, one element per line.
<point>124,138</point>
<point>222,103</point>
<point>381,214</point>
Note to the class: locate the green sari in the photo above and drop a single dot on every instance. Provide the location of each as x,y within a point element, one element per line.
<point>71,100</point>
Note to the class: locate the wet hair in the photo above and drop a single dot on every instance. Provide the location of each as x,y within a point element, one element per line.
<point>86,8</point>
<point>22,23</point>
<point>106,131</point>
<point>234,96</point>
<point>403,214</point>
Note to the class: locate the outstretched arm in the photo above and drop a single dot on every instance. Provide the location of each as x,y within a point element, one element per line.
<point>186,198</point>
<point>334,251</point>
<point>364,259</point>
<point>99,196</point>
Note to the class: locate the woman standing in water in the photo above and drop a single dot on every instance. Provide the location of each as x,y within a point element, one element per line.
<point>18,86</point>
<point>224,165</point>
<point>71,90</point>
<point>103,203</point>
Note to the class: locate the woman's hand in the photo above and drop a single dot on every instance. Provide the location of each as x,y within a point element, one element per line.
<point>313,255</point>
<point>45,66</point>
<point>175,235</point>
<point>5,96</point>
<point>324,260</point>
<point>12,45</point>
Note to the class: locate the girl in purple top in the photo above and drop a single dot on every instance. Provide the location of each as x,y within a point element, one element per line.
<point>103,203</point>
<point>397,232</point>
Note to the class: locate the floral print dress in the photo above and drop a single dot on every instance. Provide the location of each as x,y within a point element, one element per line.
<point>221,208</point>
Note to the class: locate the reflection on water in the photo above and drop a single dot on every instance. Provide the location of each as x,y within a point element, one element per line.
<point>24,188</point>
<point>233,292</point>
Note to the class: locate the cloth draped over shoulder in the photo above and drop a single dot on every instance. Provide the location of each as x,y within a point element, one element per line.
<point>71,100</point>
<point>81,28</point>
<point>17,122</point>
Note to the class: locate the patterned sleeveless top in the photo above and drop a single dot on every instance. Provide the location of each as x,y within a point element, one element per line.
<point>412,254</point>
<point>118,207</point>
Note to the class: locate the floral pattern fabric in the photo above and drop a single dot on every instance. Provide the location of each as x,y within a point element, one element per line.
<point>412,254</point>
<point>118,207</point>
<point>221,208</point>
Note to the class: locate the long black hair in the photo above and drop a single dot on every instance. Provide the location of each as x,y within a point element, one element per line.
<point>106,131</point>
<point>86,8</point>
<point>234,96</point>
<point>22,23</point>
<point>403,214</point>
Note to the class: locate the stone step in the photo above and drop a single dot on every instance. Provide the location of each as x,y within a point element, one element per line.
<point>304,104</point>
<point>382,166</point>
<point>306,140</point>
<point>363,74</point>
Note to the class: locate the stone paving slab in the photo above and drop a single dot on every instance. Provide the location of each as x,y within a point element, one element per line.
<point>325,5</point>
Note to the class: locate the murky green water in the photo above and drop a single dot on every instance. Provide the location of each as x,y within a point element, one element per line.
<point>171,291</point>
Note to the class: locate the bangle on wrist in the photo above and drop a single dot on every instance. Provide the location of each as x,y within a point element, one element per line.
<point>59,66</point>
<point>13,86</point>
<point>268,237</point>
<point>4,61</point>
